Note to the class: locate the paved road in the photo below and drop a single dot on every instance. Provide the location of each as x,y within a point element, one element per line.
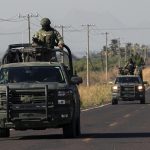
<point>125,126</point>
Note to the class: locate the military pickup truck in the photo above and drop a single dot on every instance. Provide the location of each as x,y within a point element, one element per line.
<point>128,88</point>
<point>38,94</point>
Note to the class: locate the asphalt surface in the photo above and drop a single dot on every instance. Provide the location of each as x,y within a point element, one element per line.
<point>125,126</point>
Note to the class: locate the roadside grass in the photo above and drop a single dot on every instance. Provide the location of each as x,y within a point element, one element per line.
<point>99,92</point>
<point>146,75</point>
<point>98,77</point>
<point>94,95</point>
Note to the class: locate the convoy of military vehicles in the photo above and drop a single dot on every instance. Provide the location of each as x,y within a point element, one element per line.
<point>38,90</point>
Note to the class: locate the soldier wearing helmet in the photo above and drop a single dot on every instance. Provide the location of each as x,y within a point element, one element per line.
<point>47,36</point>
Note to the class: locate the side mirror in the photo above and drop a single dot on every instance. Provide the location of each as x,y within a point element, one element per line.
<point>76,80</point>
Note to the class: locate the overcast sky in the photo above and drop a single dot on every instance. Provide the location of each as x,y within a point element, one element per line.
<point>102,13</point>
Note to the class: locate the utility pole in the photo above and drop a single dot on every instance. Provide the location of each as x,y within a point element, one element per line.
<point>125,53</point>
<point>126,50</point>
<point>106,34</point>
<point>119,52</point>
<point>145,54</point>
<point>28,16</point>
<point>88,51</point>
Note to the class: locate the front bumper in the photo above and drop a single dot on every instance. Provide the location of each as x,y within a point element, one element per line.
<point>129,92</point>
<point>42,109</point>
<point>128,96</point>
<point>36,118</point>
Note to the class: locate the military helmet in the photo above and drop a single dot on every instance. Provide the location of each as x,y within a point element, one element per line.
<point>45,22</point>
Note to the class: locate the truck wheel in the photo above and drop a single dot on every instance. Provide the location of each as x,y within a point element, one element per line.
<point>78,129</point>
<point>4,132</point>
<point>142,101</point>
<point>114,101</point>
<point>70,130</point>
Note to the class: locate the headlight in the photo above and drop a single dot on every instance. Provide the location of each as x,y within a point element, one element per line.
<point>64,93</point>
<point>65,97</point>
<point>115,88</point>
<point>61,93</point>
<point>140,87</point>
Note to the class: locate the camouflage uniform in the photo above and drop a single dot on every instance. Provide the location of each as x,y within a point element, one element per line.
<point>47,36</point>
<point>130,65</point>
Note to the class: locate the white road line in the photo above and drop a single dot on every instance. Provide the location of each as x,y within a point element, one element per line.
<point>87,140</point>
<point>127,115</point>
<point>148,88</point>
<point>113,124</point>
<point>95,107</point>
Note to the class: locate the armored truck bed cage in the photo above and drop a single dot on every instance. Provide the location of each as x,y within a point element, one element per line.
<point>27,53</point>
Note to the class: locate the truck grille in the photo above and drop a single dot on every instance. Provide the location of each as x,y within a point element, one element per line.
<point>27,97</point>
<point>19,97</point>
<point>33,104</point>
<point>127,91</point>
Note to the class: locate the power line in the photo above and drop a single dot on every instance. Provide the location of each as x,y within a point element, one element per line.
<point>11,33</point>
<point>35,24</point>
<point>39,15</point>
<point>11,19</point>
<point>74,30</point>
<point>130,28</point>
<point>5,20</point>
<point>62,28</point>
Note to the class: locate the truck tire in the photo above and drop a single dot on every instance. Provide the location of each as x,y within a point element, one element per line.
<point>78,129</point>
<point>142,101</point>
<point>114,101</point>
<point>70,130</point>
<point>4,132</point>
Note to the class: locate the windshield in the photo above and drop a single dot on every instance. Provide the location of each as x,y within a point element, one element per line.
<point>127,80</point>
<point>31,74</point>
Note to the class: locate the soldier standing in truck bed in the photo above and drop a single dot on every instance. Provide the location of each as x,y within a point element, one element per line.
<point>48,36</point>
<point>130,65</point>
